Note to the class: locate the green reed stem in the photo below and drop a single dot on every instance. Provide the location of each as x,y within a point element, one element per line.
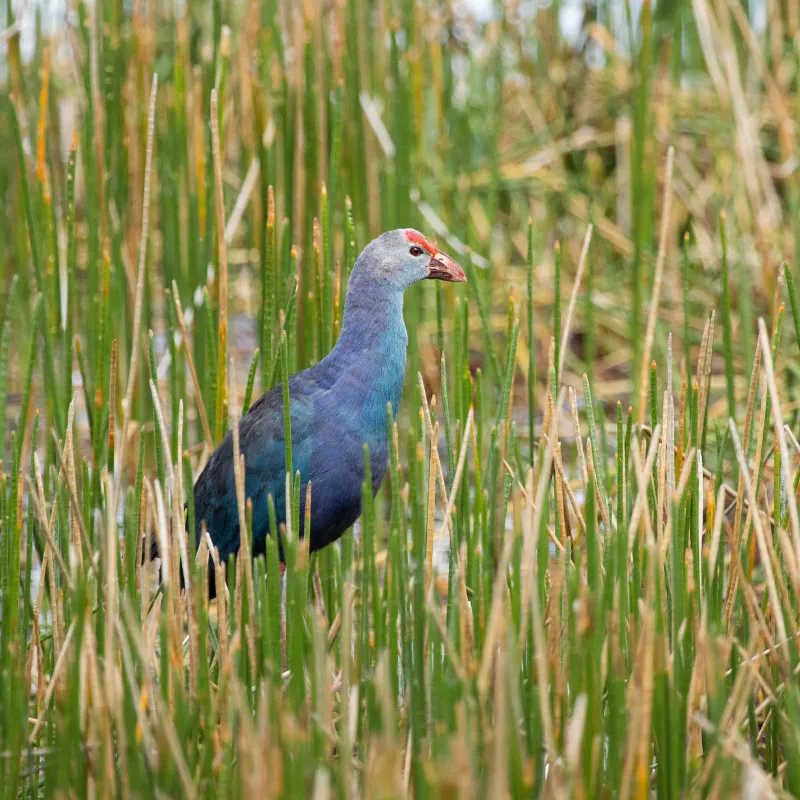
<point>727,333</point>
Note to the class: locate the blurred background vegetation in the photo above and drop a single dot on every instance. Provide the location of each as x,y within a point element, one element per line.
<point>461,120</point>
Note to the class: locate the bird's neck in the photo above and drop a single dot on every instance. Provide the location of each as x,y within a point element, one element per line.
<point>372,348</point>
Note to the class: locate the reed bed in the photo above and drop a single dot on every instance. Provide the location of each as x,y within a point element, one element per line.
<point>581,576</point>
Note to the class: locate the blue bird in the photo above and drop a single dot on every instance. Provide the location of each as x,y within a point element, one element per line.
<point>336,406</point>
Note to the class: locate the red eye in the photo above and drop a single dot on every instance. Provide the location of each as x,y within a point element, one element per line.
<point>416,251</point>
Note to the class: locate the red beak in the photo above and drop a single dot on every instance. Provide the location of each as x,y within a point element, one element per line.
<point>443,268</point>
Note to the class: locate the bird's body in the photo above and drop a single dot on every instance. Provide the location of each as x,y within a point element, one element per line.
<point>337,406</point>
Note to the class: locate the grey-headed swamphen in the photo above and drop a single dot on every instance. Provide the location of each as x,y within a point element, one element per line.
<point>336,406</point>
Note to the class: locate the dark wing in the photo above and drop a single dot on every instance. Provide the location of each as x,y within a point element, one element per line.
<point>261,441</point>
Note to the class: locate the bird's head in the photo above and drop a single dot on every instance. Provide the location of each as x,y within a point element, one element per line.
<point>404,256</point>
